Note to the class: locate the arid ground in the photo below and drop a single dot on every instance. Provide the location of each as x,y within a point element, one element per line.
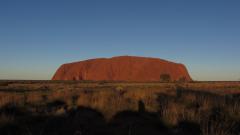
<point>119,108</point>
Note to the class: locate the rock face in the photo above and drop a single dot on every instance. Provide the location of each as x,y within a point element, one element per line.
<point>122,68</point>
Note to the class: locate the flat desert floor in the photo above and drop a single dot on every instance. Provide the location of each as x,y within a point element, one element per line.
<point>119,108</point>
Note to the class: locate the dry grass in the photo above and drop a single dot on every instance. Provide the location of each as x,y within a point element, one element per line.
<point>215,107</point>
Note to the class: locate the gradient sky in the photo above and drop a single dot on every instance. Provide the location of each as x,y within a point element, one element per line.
<point>36,37</point>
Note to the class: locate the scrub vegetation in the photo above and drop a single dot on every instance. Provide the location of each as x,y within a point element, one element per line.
<point>119,108</point>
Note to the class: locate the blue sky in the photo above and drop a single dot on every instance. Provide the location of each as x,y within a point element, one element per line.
<point>36,37</point>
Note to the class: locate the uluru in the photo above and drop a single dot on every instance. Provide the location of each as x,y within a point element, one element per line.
<point>122,68</point>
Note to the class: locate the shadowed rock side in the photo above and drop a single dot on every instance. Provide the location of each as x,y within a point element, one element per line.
<point>122,68</point>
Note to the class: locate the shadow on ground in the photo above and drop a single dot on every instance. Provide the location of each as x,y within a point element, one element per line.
<point>87,121</point>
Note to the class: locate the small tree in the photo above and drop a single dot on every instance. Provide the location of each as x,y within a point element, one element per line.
<point>182,79</point>
<point>165,78</point>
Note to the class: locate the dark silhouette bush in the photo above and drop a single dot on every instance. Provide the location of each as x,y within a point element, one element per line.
<point>165,78</point>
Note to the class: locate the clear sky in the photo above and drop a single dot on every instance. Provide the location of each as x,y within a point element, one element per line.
<point>36,37</point>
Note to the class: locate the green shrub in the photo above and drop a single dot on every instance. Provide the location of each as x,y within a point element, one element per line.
<point>165,78</point>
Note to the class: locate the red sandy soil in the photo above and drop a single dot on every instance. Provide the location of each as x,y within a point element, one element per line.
<point>122,68</point>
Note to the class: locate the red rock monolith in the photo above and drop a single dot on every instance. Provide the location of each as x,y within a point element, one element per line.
<point>122,68</point>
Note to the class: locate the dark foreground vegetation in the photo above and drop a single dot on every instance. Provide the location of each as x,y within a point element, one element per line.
<point>37,108</point>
